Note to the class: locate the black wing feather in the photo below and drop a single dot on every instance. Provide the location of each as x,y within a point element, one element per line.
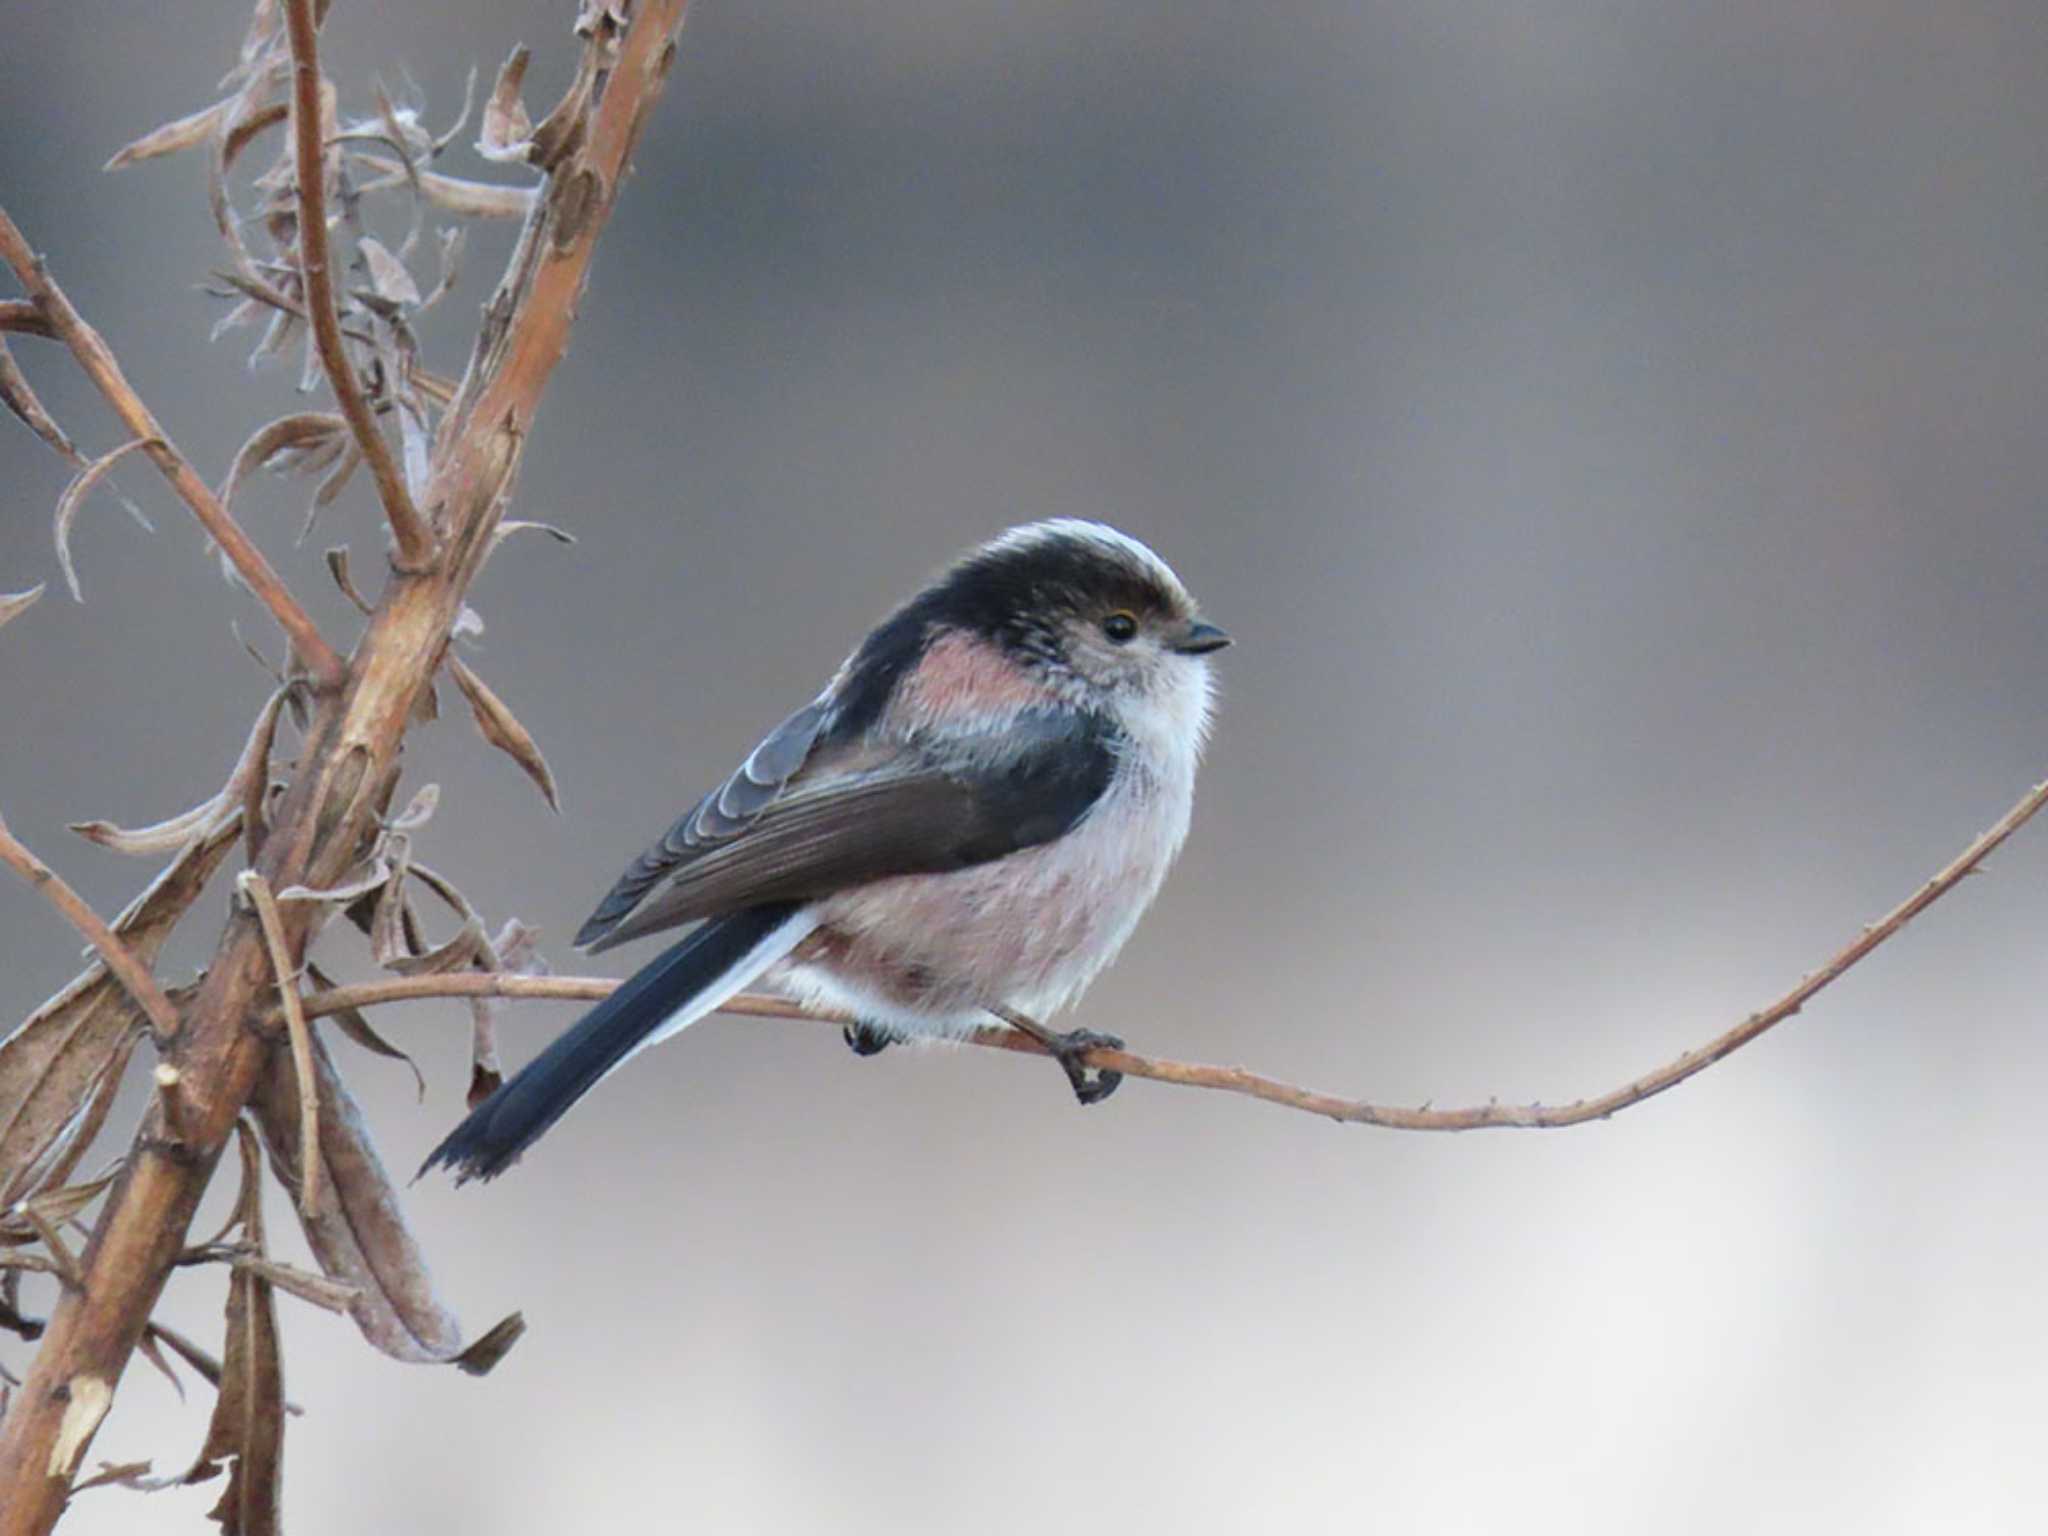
<point>926,809</point>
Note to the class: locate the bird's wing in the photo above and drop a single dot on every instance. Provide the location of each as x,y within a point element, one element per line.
<point>807,815</point>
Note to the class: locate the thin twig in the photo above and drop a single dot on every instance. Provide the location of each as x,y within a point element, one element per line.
<point>258,891</point>
<point>98,361</point>
<point>171,1095</point>
<point>1491,1116</point>
<point>24,319</point>
<point>119,958</point>
<point>414,540</point>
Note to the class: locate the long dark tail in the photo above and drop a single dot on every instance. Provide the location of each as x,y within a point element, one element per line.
<point>671,992</point>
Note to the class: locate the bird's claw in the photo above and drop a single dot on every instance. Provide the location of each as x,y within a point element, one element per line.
<point>1069,1048</point>
<point>865,1039</point>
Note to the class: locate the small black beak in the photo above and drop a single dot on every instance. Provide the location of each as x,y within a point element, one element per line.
<point>1200,639</point>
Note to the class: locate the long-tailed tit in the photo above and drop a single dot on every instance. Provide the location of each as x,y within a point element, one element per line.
<point>969,821</point>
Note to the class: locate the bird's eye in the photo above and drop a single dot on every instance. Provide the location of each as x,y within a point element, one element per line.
<point>1120,627</point>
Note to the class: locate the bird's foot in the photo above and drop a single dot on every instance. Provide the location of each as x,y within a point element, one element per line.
<point>866,1040</point>
<point>1068,1049</point>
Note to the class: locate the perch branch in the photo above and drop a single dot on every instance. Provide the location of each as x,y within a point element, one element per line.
<point>120,959</point>
<point>415,541</point>
<point>98,361</point>
<point>1491,1116</point>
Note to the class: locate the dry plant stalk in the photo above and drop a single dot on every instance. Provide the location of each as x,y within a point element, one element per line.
<point>311,837</point>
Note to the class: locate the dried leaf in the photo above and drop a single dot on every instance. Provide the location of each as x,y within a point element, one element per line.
<point>74,497</point>
<point>376,874</point>
<point>514,525</point>
<point>248,1416</point>
<point>14,604</point>
<point>185,133</point>
<point>357,1231</point>
<point>127,1474</point>
<point>330,489</point>
<point>562,130</point>
<point>507,129</point>
<point>457,954</point>
<point>317,1289</point>
<point>470,199</point>
<point>418,811</point>
<point>26,1220</point>
<point>20,398</point>
<point>501,728</point>
<point>451,264</point>
<point>355,1024</point>
<point>153,1351</point>
<point>159,837</point>
<point>188,1351</point>
<point>59,1070</point>
<point>313,433</point>
<point>388,276</point>
<point>468,624</point>
<point>337,567</point>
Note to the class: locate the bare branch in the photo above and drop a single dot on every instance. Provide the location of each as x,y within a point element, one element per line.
<point>98,361</point>
<point>414,539</point>
<point>258,891</point>
<point>119,958</point>
<point>1490,1116</point>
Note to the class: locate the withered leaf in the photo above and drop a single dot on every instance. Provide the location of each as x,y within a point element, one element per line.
<point>74,497</point>
<point>20,398</point>
<point>419,810</point>
<point>248,1416</point>
<point>332,1295</point>
<point>471,199</point>
<point>451,265</point>
<point>388,276</point>
<point>153,1351</point>
<point>514,525</point>
<point>337,567</point>
<point>316,438</point>
<point>375,874</point>
<point>185,133</point>
<point>355,1024</point>
<point>14,604</point>
<point>159,837</point>
<point>507,129</point>
<point>357,1230</point>
<point>562,130</point>
<point>330,490</point>
<point>126,1474</point>
<point>27,1220</point>
<point>58,1071</point>
<point>501,728</point>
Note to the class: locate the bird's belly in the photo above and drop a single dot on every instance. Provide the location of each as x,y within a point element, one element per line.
<point>925,954</point>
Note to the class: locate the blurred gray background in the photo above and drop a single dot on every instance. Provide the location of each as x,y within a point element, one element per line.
<point>1614,433</point>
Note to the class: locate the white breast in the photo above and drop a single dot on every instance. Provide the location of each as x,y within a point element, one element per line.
<point>926,954</point>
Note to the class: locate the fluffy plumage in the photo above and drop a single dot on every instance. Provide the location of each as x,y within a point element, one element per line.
<point>974,813</point>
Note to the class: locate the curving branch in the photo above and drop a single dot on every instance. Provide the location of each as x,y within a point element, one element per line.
<point>414,539</point>
<point>141,984</point>
<point>97,359</point>
<point>1489,1116</point>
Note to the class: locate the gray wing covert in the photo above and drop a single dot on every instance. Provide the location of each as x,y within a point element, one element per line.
<point>719,816</point>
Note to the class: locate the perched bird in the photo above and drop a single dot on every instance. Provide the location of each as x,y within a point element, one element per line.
<point>969,821</point>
